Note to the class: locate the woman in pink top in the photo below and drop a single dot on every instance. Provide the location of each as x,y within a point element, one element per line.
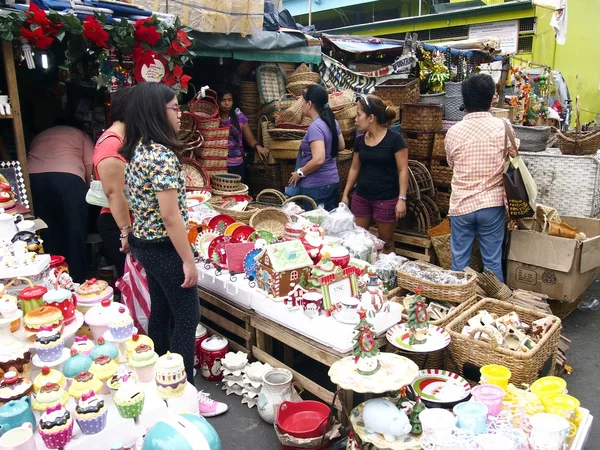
<point>114,223</point>
<point>60,168</point>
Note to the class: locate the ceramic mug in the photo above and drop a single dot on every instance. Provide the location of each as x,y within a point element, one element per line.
<point>20,438</point>
<point>312,303</point>
<point>437,424</point>
<point>549,431</point>
<point>349,304</point>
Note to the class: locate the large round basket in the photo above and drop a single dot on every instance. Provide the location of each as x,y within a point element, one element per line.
<point>196,176</point>
<point>243,190</point>
<point>228,182</point>
<point>270,219</point>
<point>297,87</point>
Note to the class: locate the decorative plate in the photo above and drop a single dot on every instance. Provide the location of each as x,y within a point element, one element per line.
<point>243,233</point>
<point>220,223</point>
<point>191,202</point>
<point>437,339</point>
<point>408,442</point>
<point>216,250</point>
<point>193,233</point>
<point>261,234</point>
<point>231,228</point>
<point>200,195</point>
<point>250,265</point>
<point>441,386</point>
<point>396,371</point>
<point>203,242</point>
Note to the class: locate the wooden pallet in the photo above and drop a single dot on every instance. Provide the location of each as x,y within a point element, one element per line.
<point>412,245</point>
<point>222,318</point>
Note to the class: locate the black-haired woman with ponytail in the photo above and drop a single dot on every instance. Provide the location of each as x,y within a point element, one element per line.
<point>317,175</point>
<point>379,170</point>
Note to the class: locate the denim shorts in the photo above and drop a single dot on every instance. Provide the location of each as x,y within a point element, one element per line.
<point>383,211</point>
<point>327,195</point>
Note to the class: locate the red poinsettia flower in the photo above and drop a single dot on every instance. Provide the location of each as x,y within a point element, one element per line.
<point>182,36</point>
<point>177,76</point>
<point>147,34</point>
<point>142,56</point>
<point>140,22</point>
<point>38,17</point>
<point>37,38</point>
<point>93,31</point>
<point>179,44</point>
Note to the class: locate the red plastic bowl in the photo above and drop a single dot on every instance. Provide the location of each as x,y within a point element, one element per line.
<point>306,419</point>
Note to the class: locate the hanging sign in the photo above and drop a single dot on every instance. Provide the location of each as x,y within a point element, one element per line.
<point>507,31</point>
<point>153,73</point>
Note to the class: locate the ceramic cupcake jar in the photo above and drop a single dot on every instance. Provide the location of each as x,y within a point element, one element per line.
<point>56,427</point>
<point>84,383</point>
<point>83,345</point>
<point>129,400</point>
<point>137,339</point>
<point>15,357</point>
<point>99,316</point>
<point>103,348</point>
<point>49,344</point>
<point>104,368</point>
<point>142,360</point>
<point>76,364</point>
<point>64,300</point>
<point>49,395</point>
<point>14,387</point>
<point>170,376</point>
<point>121,325</point>
<point>91,413</point>
<point>48,375</point>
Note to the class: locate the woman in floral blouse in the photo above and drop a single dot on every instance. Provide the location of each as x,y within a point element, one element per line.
<point>159,237</point>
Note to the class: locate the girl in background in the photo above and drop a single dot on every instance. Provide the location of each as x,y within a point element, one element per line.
<point>379,170</point>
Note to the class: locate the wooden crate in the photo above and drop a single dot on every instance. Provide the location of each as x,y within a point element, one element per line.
<point>412,245</point>
<point>225,319</point>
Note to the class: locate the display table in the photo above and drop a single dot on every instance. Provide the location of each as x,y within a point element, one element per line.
<point>126,431</point>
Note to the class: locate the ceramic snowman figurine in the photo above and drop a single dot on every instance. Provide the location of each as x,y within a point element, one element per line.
<point>374,297</point>
<point>4,105</point>
<point>381,416</point>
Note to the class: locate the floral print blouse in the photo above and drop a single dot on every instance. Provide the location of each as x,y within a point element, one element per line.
<point>153,168</point>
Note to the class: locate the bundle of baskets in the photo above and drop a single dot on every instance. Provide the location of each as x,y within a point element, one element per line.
<point>205,110</point>
<point>301,79</point>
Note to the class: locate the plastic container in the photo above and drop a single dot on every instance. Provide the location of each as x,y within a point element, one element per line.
<point>491,396</point>
<point>437,424</point>
<point>305,420</point>
<point>565,406</point>
<point>547,386</point>
<point>214,350</point>
<point>471,416</point>
<point>494,374</point>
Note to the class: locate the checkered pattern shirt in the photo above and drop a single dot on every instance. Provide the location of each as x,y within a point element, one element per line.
<point>476,153</point>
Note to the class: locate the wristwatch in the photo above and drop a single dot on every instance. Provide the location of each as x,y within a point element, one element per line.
<point>402,197</point>
<point>300,173</point>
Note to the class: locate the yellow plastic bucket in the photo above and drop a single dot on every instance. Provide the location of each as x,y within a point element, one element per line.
<point>565,406</point>
<point>495,374</point>
<point>547,386</point>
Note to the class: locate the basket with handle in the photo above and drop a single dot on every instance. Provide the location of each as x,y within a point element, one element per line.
<point>466,355</point>
<point>214,134</point>
<point>297,198</point>
<point>578,142</point>
<point>206,109</point>
<point>271,83</point>
<point>341,100</point>
<point>454,293</point>
<point>297,87</point>
<point>271,197</point>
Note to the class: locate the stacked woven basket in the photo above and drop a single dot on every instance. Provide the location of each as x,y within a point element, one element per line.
<point>249,103</point>
<point>300,79</point>
<point>345,111</point>
<point>213,153</point>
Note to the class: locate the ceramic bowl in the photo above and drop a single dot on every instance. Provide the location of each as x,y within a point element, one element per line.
<point>256,370</point>
<point>235,361</point>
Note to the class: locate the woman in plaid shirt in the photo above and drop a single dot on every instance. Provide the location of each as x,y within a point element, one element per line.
<point>475,149</point>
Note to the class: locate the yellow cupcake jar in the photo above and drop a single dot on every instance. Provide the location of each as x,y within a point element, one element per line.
<point>48,375</point>
<point>49,395</point>
<point>137,339</point>
<point>84,383</point>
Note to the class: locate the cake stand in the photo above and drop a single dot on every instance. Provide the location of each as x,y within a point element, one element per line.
<point>395,372</point>
<point>37,362</point>
<point>68,332</point>
<point>119,343</point>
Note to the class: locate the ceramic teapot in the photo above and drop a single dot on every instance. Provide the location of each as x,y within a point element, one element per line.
<point>8,225</point>
<point>15,413</point>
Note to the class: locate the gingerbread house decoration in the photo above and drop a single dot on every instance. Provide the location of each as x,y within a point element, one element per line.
<point>292,300</point>
<point>282,265</point>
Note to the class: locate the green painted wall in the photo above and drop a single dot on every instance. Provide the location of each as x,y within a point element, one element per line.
<point>579,58</point>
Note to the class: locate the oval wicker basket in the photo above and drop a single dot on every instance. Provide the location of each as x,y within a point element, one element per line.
<point>304,77</point>
<point>304,198</point>
<point>214,134</point>
<point>229,182</point>
<point>298,87</point>
<point>243,190</point>
<point>270,219</point>
<point>270,194</point>
<point>349,112</point>
<point>419,143</point>
<point>196,176</point>
<point>347,124</point>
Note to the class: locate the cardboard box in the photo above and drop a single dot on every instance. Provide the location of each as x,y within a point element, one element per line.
<point>558,267</point>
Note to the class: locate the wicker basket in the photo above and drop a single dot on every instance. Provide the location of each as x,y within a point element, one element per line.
<point>439,147</point>
<point>349,112</point>
<point>301,198</point>
<point>243,190</point>
<point>502,113</point>
<point>466,355</point>
<point>284,134</point>
<point>341,100</point>
<point>440,239</point>
<point>271,84</point>
<point>419,143</point>
<point>422,117</point>
<point>452,108</point>
<point>291,114</point>
<point>214,134</point>
<point>454,293</point>
<point>433,99</point>
<point>442,199</point>
<point>271,197</point>
<point>344,162</point>
<point>347,124</point>
<point>239,216</point>
<point>421,214</point>
<point>441,172</point>
<point>533,139</point>
<point>206,110</point>
<point>285,149</point>
<point>216,142</point>
<point>563,309</point>
<point>303,77</point>
<point>213,153</point>
<point>212,164</point>
<point>297,87</point>
<point>399,92</point>
<point>270,110</point>
<point>270,219</point>
<point>196,176</point>
<point>230,182</point>
<point>578,142</point>
<point>264,176</point>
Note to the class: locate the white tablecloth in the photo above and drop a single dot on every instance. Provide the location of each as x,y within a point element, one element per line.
<point>126,431</point>
<point>325,330</point>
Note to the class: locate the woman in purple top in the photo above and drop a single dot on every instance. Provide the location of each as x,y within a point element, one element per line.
<point>317,175</point>
<point>238,131</point>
